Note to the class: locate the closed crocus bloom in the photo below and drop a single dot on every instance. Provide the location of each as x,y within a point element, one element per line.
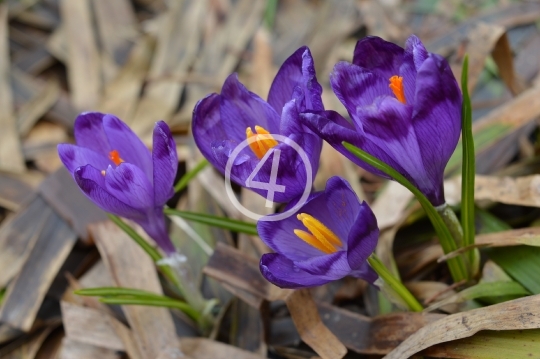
<point>222,121</point>
<point>330,237</point>
<point>405,106</point>
<point>118,173</point>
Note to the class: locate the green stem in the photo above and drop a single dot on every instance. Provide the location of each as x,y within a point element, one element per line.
<point>215,221</point>
<point>394,283</point>
<point>456,265</point>
<point>155,302</point>
<point>184,180</point>
<point>151,251</point>
<point>468,171</point>
<point>452,222</point>
<point>172,273</point>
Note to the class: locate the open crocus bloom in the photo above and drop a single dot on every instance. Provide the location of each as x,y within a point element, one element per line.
<point>118,173</point>
<point>330,237</point>
<point>223,121</point>
<point>405,106</point>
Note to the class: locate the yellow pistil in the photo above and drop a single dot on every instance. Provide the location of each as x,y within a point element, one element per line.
<point>396,85</point>
<point>321,237</point>
<point>263,141</point>
<point>115,157</point>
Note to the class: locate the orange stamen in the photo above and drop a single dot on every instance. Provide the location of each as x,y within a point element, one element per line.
<point>396,85</point>
<point>263,141</point>
<point>115,157</point>
<point>319,236</point>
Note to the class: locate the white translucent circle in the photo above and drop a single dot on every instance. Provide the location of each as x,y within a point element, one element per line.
<point>259,217</point>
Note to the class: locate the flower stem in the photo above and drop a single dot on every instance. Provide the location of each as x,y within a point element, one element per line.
<point>184,180</point>
<point>457,264</point>
<point>167,271</point>
<point>452,222</point>
<point>177,272</point>
<point>394,283</point>
<point>468,172</point>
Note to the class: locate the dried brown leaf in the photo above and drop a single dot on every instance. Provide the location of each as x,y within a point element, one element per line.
<point>512,315</point>
<point>11,158</point>
<point>153,328</point>
<point>313,332</point>
<point>26,292</point>
<point>73,349</point>
<point>83,60</point>
<point>524,191</point>
<point>89,326</point>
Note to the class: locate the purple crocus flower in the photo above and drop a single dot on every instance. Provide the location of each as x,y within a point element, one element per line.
<point>222,121</point>
<point>405,106</point>
<point>330,237</point>
<point>118,173</point>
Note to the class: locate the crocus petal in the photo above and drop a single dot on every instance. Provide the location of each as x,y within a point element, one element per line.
<point>366,273</point>
<point>129,184</point>
<point>415,49</point>
<point>436,120</point>
<point>297,71</point>
<point>74,157</point>
<point>390,136</point>
<point>91,182</point>
<point>282,272</point>
<point>362,238</point>
<point>413,58</point>
<point>89,132</point>
<point>241,108</point>
<point>333,265</point>
<point>291,169</point>
<point>355,86</point>
<point>207,127</point>
<point>280,237</point>
<point>334,129</point>
<point>343,205</point>
<point>128,144</point>
<point>165,163</point>
<point>378,56</point>
<point>154,224</point>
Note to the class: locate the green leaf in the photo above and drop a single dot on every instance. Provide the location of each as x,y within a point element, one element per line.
<point>521,262</point>
<point>115,292</point>
<point>270,13</point>
<point>456,264</point>
<point>221,222</point>
<point>184,180</point>
<point>468,164</point>
<point>129,296</point>
<point>2,294</point>
<point>488,223</point>
<point>483,290</point>
<point>515,344</point>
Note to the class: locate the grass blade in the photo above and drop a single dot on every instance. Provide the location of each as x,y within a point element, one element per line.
<point>151,251</point>
<point>468,169</point>
<point>115,291</point>
<point>184,180</point>
<point>129,296</point>
<point>216,221</point>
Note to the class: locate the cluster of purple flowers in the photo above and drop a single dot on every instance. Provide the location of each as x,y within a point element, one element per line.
<point>405,107</point>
